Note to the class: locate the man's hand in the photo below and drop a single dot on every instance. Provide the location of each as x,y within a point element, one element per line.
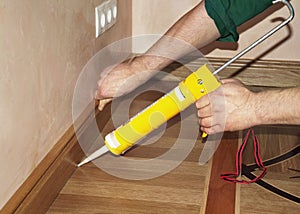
<point>232,101</point>
<point>119,80</point>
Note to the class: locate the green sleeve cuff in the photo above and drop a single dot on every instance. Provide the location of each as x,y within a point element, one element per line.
<point>229,14</point>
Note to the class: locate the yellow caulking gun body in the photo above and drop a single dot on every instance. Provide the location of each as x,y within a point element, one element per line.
<point>195,86</point>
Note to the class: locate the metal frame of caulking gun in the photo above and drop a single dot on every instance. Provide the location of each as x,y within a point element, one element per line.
<point>104,149</point>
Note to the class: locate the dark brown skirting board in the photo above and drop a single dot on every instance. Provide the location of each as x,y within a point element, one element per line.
<point>43,185</point>
<point>41,175</point>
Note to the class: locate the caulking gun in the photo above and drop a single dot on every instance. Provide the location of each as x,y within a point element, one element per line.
<point>195,86</point>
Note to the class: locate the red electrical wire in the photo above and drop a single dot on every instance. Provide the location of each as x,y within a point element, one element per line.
<point>232,176</point>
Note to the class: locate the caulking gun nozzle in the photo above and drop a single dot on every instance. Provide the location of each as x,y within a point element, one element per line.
<point>86,160</point>
<point>94,155</point>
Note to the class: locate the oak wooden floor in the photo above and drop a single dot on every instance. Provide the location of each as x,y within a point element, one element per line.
<point>182,190</point>
<point>91,190</point>
<point>257,200</point>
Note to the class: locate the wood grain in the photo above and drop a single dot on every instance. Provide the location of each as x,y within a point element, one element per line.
<point>265,73</point>
<point>221,195</point>
<point>282,139</point>
<point>188,188</point>
<point>255,199</point>
<point>180,190</point>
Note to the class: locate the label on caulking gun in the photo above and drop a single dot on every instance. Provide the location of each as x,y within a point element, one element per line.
<point>179,96</point>
<point>196,85</point>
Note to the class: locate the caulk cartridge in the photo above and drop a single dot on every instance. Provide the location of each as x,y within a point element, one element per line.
<point>196,85</point>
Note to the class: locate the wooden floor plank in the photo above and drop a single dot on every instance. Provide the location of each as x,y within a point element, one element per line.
<point>179,191</point>
<point>221,195</point>
<point>182,190</point>
<point>81,205</point>
<point>257,200</point>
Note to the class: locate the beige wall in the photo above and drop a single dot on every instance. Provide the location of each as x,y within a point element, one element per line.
<point>155,16</point>
<point>44,45</point>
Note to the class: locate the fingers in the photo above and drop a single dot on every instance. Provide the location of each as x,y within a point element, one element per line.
<point>211,121</point>
<point>211,112</point>
<point>212,129</point>
<point>204,112</point>
<point>210,126</point>
<point>203,102</point>
<point>102,103</point>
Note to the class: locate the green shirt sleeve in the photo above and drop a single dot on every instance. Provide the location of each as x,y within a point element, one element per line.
<point>229,14</point>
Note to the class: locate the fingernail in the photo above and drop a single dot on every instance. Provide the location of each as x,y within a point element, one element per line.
<point>100,107</point>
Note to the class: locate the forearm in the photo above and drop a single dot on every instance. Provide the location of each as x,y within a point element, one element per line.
<point>195,28</point>
<point>278,106</point>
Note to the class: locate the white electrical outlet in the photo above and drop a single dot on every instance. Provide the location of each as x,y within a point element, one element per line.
<point>105,16</point>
